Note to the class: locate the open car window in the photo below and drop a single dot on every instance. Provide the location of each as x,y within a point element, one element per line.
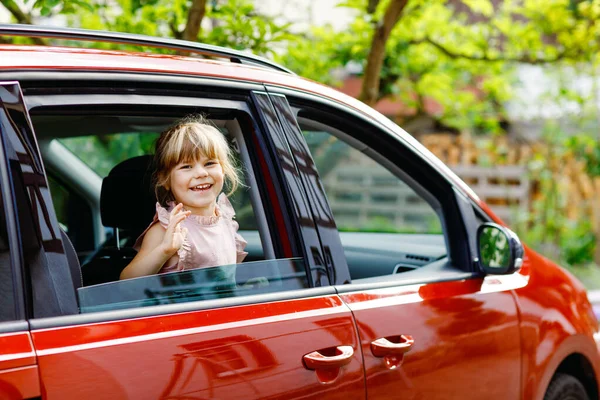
<point>83,147</point>
<point>99,153</point>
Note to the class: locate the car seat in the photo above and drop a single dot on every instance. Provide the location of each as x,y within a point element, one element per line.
<point>72,259</point>
<point>127,204</point>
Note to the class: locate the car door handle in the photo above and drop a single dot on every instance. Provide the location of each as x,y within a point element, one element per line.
<point>392,345</point>
<point>333,357</point>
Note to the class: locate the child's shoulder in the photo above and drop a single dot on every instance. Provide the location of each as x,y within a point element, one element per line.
<point>155,228</point>
<point>225,207</point>
<point>151,237</point>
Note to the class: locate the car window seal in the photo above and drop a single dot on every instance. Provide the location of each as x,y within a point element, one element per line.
<point>170,309</point>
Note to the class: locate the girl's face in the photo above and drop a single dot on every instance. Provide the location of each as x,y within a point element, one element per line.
<point>196,184</point>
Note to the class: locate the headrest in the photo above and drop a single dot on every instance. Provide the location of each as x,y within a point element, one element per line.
<point>127,200</point>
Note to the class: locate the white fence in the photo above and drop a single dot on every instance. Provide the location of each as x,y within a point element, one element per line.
<point>364,195</point>
<point>506,189</point>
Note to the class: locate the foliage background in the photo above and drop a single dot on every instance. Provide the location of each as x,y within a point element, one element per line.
<point>464,56</point>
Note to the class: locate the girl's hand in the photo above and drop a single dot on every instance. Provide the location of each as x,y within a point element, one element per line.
<point>175,234</point>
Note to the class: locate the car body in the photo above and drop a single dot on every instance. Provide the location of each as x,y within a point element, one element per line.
<point>356,306</point>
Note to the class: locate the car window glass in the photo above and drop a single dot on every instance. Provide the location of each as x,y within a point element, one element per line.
<point>41,244</point>
<point>7,300</point>
<point>385,225</point>
<point>363,195</point>
<point>224,281</point>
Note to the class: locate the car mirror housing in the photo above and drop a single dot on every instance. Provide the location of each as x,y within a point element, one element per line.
<point>499,249</point>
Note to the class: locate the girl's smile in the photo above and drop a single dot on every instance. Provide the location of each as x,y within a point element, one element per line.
<point>202,187</point>
<point>197,184</point>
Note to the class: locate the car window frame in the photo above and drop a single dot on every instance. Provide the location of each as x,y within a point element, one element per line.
<point>459,251</point>
<point>38,230</point>
<point>259,136</point>
<point>14,244</point>
<point>304,223</point>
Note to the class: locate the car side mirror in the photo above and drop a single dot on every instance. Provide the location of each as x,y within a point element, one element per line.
<point>499,249</point>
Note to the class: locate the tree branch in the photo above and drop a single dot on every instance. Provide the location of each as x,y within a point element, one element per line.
<point>195,16</point>
<point>370,85</point>
<point>21,17</point>
<point>14,9</point>
<point>176,33</point>
<point>526,58</point>
<point>372,6</point>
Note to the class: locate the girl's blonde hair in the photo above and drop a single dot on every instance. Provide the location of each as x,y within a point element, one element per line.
<point>186,141</point>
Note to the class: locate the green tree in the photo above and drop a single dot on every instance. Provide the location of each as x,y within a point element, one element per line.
<point>232,23</point>
<point>460,54</point>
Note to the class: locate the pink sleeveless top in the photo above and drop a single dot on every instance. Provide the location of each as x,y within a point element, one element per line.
<point>211,240</point>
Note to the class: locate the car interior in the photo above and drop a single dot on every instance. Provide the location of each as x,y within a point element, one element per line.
<point>104,203</point>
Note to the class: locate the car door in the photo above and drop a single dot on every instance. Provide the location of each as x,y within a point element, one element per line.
<point>431,327</point>
<point>294,342</point>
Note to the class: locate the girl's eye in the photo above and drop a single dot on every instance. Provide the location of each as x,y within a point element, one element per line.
<point>186,166</point>
<point>211,163</point>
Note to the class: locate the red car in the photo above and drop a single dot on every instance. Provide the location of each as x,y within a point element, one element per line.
<point>373,271</point>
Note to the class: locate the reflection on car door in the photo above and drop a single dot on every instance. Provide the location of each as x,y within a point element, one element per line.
<point>446,340</point>
<point>244,352</point>
<point>18,372</point>
<point>295,344</point>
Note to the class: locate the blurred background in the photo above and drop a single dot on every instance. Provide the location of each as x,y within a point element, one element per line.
<point>504,92</point>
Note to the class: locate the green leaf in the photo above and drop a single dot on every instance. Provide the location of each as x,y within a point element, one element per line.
<point>45,11</point>
<point>84,4</point>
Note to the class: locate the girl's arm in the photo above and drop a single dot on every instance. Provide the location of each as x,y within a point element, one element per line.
<point>158,246</point>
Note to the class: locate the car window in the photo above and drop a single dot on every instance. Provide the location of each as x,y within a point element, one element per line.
<point>7,295</point>
<point>386,225</point>
<point>117,138</point>
<point>41,243</point>
<point>365,196</point>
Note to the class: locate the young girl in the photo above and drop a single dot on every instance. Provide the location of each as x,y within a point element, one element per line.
<point>193,226</point>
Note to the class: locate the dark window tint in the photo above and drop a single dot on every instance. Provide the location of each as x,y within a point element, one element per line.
<point>41,242</point>
<point>7,301</point>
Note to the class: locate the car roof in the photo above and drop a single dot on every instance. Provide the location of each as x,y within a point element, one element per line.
<point>53,58</point>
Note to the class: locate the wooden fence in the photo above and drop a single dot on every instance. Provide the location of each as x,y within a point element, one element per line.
<point>366,196</point>
<point>506,189</point>
<point>504,174</point>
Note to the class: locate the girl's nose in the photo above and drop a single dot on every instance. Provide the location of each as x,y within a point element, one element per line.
<point>200,171</point>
